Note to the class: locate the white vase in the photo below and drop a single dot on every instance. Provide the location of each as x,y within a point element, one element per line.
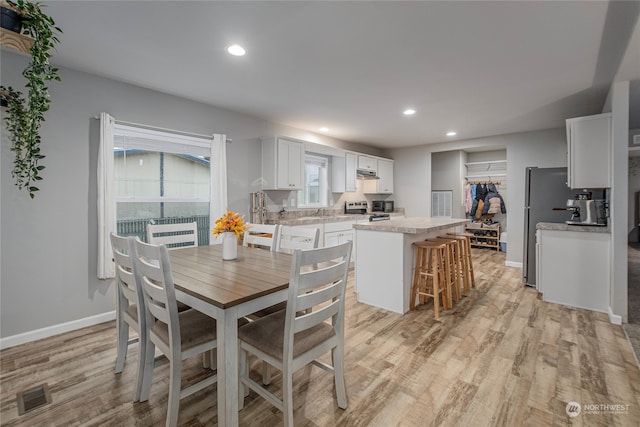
<point>229,246</point>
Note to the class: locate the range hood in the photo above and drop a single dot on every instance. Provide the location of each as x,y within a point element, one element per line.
<point>366,174</point>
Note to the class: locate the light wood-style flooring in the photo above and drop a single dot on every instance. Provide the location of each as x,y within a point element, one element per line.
<point>501,357</point>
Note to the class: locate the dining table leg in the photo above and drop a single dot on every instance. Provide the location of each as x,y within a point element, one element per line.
<point>227,330</point>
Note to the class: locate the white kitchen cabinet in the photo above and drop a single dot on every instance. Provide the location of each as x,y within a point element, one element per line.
<point>384,185</point>
<point>573,268</point>
<point>343,173</point>
<point>367,163</point>
<point>282,164</point>
<point>589,151</point>
<point>336,233</point>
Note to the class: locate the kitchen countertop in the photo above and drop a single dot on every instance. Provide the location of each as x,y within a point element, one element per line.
<point>412,225</point>
<point>322,219</point>
<point>561,226</point>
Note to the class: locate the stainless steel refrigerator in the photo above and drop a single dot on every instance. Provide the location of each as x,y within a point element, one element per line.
<point>545,189</point>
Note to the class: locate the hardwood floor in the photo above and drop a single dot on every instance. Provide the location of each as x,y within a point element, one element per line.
<point>501,357</point>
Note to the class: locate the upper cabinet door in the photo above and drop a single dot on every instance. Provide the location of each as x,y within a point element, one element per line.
<point>589,151</point>
<point>282,164</point>
<point>367,163</point>
<point>385,172</point>
<point>350,172</point>
<point>290,164</point>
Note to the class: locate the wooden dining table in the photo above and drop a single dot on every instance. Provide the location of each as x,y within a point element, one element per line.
<point>227,291</point>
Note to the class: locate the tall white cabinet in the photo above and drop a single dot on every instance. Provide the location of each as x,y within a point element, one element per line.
<point>282,164</point>
<point>589,151</point>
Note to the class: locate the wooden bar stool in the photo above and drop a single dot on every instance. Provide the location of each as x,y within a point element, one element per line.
<point>464,272</point>
<point>429,278</point>
<point>467,254</point>
<point>453,267</point>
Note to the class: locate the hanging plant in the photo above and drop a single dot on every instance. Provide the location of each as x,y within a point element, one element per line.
<point>25,115</point>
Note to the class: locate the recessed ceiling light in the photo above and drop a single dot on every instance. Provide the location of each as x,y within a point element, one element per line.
<point>324,129</point>
<point>236,50</point>
<point>409,112</point>
<point>452,133</point>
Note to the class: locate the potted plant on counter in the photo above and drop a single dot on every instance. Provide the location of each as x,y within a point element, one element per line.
<point>24,115</point>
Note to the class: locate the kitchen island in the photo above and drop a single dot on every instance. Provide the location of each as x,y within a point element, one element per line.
<point>385,258</point>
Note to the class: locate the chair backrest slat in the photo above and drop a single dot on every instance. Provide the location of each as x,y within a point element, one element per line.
<point>323,274</point>
<point>290,238</point>
<point>317,297</point>
<point>265,235</point>
<point>316,317</point>
<point>174,236</point>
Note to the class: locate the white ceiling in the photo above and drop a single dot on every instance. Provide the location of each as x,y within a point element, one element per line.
<point>481,68</point>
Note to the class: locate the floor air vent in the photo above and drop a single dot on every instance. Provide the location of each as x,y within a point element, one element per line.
<point>33,398</point>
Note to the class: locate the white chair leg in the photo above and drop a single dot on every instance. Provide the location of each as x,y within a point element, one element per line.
<point>287,397</point>
<point>173,405</point>
<point>142,353</point>
<point>266,373</point>
<point>147,373</point>
<point>206,362</point>
<point>123,343</point>
<point>243,391</point>
<point>210,360</point>
<point>337,357</point>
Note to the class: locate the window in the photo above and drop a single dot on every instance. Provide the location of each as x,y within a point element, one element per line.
<point>316,182</point>
<point>160,180</point>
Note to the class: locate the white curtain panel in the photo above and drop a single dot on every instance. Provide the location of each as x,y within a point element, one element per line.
<point>106,202</point>
<point>218,171</point>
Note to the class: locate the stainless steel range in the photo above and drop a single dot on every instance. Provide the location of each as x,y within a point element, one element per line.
<point>356,207</point>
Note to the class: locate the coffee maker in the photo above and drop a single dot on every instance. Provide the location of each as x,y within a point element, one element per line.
<point>586,211</point>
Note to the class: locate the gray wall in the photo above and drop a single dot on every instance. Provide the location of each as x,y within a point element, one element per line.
<point>446,175</point>
<point>49,244</point>
<point>634,198</point>
<point>634,191</point>
<point>413,184</point>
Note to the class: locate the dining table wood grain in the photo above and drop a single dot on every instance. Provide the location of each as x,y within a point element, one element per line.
<point>227,291</point>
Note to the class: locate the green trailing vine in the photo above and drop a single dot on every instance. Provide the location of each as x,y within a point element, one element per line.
<point>25,115</point>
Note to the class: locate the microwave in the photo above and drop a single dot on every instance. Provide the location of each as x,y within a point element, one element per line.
<point>382,206</point>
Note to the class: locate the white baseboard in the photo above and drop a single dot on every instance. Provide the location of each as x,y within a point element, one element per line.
<point>513,264</point>
<point>614,318</point>
<point>50,331</point>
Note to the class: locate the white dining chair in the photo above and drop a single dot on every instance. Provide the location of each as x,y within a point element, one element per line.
<point>184,235</point>
<point>287,240</point>
<point>178,236</point>
<point>178,335</point>
<point>261,235</point>
<point>291,238</point>
<point>129,308</point>
<point>295,337</point>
